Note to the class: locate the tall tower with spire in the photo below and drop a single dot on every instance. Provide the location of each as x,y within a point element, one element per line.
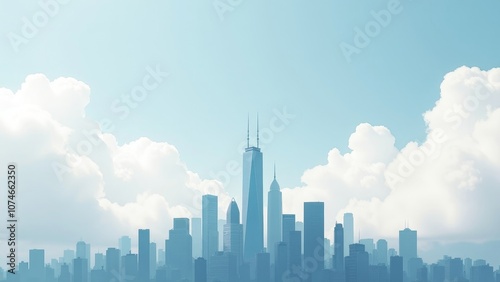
<point>274,214</point>
<point>253,215</point>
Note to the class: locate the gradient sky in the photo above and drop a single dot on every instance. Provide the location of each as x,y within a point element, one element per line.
<point>263,56</point>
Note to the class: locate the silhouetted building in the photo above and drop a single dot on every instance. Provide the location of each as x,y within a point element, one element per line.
<point>200,270</point>
<point>294,251</point>
<point>381,253</point>
<point>152,260</point>
<point>378,273</point>
<point>253,214</point>
<point>288,224</point>
<point>98,275</point>
<point>407,245</point>
<point>220,233</point>
<point>124,244</point>
<point>263,269</point>
<point>210,232</point>
<point>369,248</point>
<point>196,235</point>
<point>49,274</point>
<point>112,261</point>
<point>281,261</point>
<point>80,270</point>
<point>222,267</point>
<point>396,272</point>
<point>36,266</point>
<point>178,248</point>
<point>348,230</point>
<point>437,273</point>
<point>338,248</point>
<point>274,216</point>
<point>161,274</point>
<point>314,233</point>
<point>99,261</point>
<point>233,232</point>
<point>357,264</point>
<point>422,274</point>
<point>129,265</point>
<point>414,264</point>
<point>143,267</point>
<point>65,275</point>
<point>456,269</point>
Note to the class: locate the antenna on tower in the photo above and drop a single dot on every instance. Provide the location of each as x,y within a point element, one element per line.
<point>257,130</point>
<point>274,170</point>
<point>248,130</point>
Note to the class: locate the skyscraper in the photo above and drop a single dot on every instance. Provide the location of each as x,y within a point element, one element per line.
<point>83,252</point>
<point>124,244</point>
<point>357,264</point>
<point>152,260</point>
<point>200,270</point>
<point>263,269</point>
<point>314,233</point>
<point>196,235</point>
<point>382,251</point>
<point>288,225</point>
<point>80,270</point>
<point>143,269</point>
<point>396,272</point>
<point>129,265</point>
<point>233,232</point>
<point>281,261</point>
<point>295,250</point>
<point>178,248</point>
<point>210,233</point>
<point>338,248</point>
<point>112,261</point>
<point>348,230</point>
<point>407,245</point>
<point>274,214</point>
<point>37,265</point>
<point>253,218</point>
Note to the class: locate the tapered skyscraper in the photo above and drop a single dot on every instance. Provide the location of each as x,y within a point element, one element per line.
<point>274,214</point>
<point>253,218</point>
<point>233,232</point>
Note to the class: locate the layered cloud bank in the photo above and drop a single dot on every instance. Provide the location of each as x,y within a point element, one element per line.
<point>446,187</point>
<point>77,182</point>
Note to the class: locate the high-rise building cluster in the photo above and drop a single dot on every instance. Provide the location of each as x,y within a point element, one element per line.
<point>204,250</point>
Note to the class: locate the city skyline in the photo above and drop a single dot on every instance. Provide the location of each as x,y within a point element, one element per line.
<point>119,117</point>
<point>362,260</point>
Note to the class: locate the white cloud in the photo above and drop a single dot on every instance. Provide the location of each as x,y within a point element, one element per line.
<point>447,188</point>
<point>98,190</point>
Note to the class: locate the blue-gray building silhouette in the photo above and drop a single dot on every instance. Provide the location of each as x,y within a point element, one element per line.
<point>274,216</point>
<point>314,233</point>
<point>253,214</point>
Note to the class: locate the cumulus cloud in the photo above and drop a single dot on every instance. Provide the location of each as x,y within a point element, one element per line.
<point>447,187</point>
<point>77,182</point>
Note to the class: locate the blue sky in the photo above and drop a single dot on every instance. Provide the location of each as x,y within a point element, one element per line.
<point>261,57</point>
